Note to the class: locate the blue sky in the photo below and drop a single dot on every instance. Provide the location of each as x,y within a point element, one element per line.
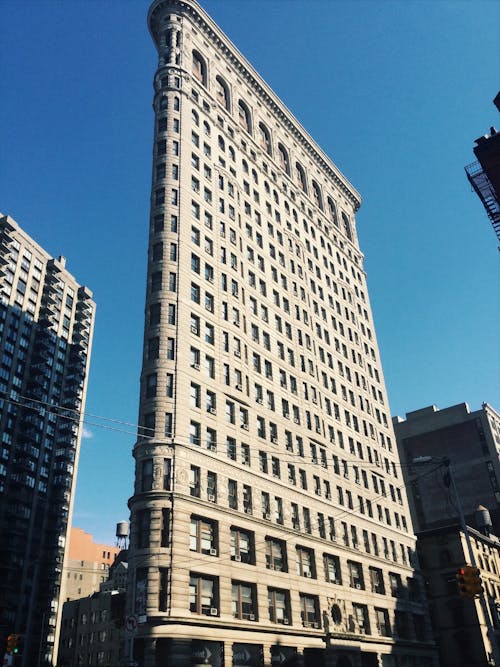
<point>394,92</point>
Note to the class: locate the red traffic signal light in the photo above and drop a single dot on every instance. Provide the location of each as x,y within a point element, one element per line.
<point>469,581</point>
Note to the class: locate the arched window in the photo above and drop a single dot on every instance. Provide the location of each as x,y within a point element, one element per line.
<point>199,68</point>
<point>283,158</point>
<point>332,211</point>
<point>265,138</point>
<point>177,104</point>
<point>347,226</point>
<point>222,93</point>
<point>244,117</point>
<point>163,103</point>
<point>301,177</point>
<point>318,199</point>
<point>206,128</point>
<point>194,117</point>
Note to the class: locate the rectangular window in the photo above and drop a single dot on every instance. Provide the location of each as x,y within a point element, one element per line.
<point>242,546</point>
<point>305,562</point>
<point>203,595</point>
<point>309,611</point>
<point>194,481</point>
<point>243,598</point>
<point>203,536</point>
<point>332,569</point>
<point>279,606</point>
<point>276,555</point>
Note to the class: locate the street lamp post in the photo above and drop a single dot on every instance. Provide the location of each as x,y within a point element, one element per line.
<point>449,480</point>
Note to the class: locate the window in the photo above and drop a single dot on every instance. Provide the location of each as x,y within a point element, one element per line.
<point>203,536</point>
<point>211,486</point>
<point>232,494</point>
<point>203,594</point>
<point>147,475</point>
<point>382,619</point>
<point>199,71</point>
<point>244,117</point>
<point>243,597</point>
<point>276,555</point>
<point>194,433</point>
<point>194,481</point>
<point>355,574</point>
<point>143,519</point>
<point>242,546</point>
<point>361,618</point>
<point>279,606</point>
<point>309,611</point>
<point>222,93</point>
<point>305,562</point>
<point>332,569</point>
<point>162,590</point>
<point>377,580</point>
<point>265,138</point>
<point>396,585</point>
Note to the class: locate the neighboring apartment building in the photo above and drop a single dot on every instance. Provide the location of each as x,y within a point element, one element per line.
<point>269,515</point>
<point>484,174</point>
<point>87,564</point>
<point>46,322</point>
<point>459,624</point>
<point>91,626</point>
<point>471,442</point>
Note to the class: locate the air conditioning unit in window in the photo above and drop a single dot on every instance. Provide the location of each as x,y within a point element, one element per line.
<point>267,516</point>
<point>296,420</point>
<point>213,611</point>
<point>259,401</point>
<point>307,574</point>
<point>358,586</point>
<point>212,410</point>
<point>194,329</point>
<point>244,427</point>
<point>208,307</point>
<point>274,441</point>
<point>316,625</point>
<point>211,447</point>
<point>238,387</point>
<point>237,558</point>
<point>213,552</point>
<point>237,353</point>
<point>195,366</point>
<point>315,401</point>
<point>286,621</point>
<point>210,279</point>
<point>211,497</point>
<point>251,617</point>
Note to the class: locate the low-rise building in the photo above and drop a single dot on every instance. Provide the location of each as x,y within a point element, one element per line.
<point>87,565</point>
<point>91,626</point>
<point>459,624</point>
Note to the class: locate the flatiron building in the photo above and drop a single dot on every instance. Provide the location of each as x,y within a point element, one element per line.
<point>269,515</point>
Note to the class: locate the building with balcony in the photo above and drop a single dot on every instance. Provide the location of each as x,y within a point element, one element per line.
<point>46,323</point>
<point>484,173</point>
<point>269,515</point>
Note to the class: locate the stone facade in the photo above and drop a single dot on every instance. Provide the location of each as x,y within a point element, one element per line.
<point>269,515</point>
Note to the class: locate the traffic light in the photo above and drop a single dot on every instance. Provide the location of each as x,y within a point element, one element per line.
<point>14,644</point>
<point>469,582</point>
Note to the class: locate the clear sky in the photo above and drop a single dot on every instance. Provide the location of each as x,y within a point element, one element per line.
<point>394,92</point>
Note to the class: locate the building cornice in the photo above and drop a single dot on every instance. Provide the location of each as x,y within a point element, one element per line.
<point>203,21</point>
